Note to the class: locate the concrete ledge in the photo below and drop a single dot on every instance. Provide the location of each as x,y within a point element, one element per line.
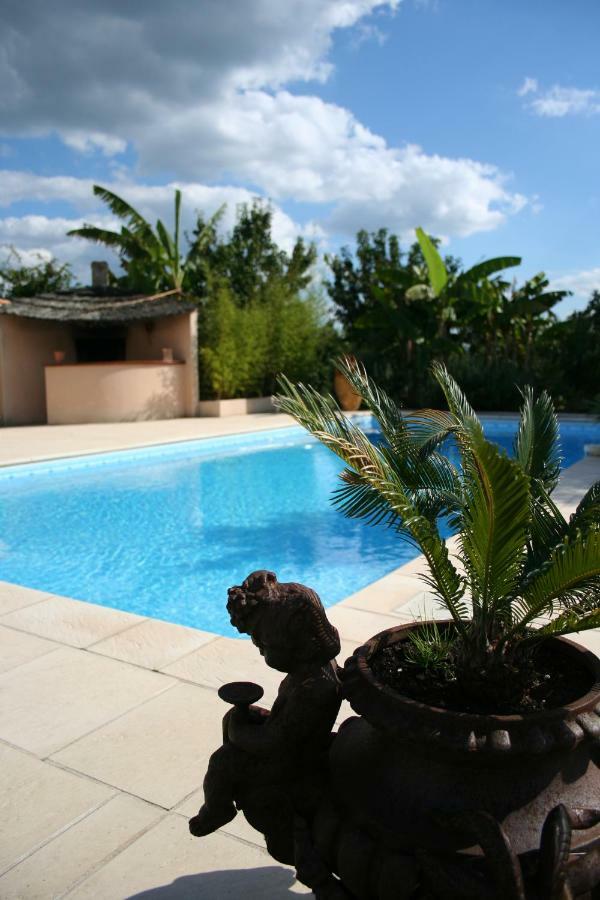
<point>241,406</point>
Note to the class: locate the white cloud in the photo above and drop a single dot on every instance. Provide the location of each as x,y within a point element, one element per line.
<point>582,283</point>
<point>48,234</point>
<point>529,86</point>
<point>87,142</point>
<point>558,101</point>
<point>198,91</point>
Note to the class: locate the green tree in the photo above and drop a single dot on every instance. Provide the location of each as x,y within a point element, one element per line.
<point>391,320</point>
<point>46,276</point>
<point>248,257</point>
<point>569,357</point>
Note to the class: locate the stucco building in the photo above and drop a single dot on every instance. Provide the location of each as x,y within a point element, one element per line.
<point>97,355</point>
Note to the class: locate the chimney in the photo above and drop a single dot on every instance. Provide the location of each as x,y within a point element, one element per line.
<point>99,274</point>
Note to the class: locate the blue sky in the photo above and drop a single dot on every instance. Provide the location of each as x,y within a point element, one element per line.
<point>478,119</point>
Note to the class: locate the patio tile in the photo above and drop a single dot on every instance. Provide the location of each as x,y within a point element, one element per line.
<point>14,596</point>
<point>57,698</point>
<point>72,622</point>
<point>38,801</point>
<point>79,850</point>
<point>358,624</point>
<point>17,648</point>
<point>385,595</point>
<point>167,863</point>
<point>422,606</point>
<point>153,644</point>
<point>228,659</point>
<point>238,827</point>
<point>589,639</point>
<point>158,751</point>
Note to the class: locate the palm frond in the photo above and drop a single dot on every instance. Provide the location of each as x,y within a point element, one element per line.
<point>166,240</point>
<point>495,525</point>
<point>122,209</point>
<point>326,422</point>
<point>358,499</point>
<point>548,529</point>
<point>536,445</point>
<point>378,402</point>
<point>570,621</point>
<point>468,427</point>
<point>99,235</point>
<point>570,579</point>
<point>430,427</point>
<point>587,514</point>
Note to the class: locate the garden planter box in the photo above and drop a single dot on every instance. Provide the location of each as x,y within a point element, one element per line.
<point>241,406</point>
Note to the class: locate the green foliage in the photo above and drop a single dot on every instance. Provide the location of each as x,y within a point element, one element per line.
<point>569,358</point>
<point>438,276</point>
<point>43,277</point>
<point>403,310</point>
<point>392,320</point>
<point>519,557</point>
<point>243,348</point>
<point>248,258</point>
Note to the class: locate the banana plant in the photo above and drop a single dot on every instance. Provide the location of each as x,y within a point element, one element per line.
<point>449,289</point>
<point>151,257</point>
<point>525,572</point>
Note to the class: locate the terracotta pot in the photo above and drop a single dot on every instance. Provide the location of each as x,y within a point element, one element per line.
<point>404,762</point>
<point>347,397</point>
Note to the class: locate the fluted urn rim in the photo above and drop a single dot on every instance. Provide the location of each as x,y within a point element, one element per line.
<point>405,719</point>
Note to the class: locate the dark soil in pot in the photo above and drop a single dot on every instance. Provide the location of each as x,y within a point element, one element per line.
<point>543,682</point>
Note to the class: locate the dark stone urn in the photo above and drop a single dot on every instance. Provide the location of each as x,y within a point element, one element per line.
<point>405,800</point>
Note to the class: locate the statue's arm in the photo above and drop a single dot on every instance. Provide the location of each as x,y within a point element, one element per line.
<point>258,736</point>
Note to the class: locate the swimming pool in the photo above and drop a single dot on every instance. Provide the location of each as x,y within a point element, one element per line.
<point>165,531</point>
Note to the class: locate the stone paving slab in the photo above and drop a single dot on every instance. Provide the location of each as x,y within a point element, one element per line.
<point>77,852</point>
<point>17,647</point>
<point>386,595</point>
<point>37,802</point>
<point>77,624</point>
<point>153,644</point>
<point>158,751</point>
<point>53,700</point>
<point>167,863</point>
<point>223,660</point>
<point>238,827</point>
<point>24,444</point>
<point>14,596</point>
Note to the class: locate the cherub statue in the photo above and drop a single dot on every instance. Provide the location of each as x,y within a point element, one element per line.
<point>271,764</point>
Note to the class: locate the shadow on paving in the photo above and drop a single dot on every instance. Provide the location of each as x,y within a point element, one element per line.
<point>265,883</point>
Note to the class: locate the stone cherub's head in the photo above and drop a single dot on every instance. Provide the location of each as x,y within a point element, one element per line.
<point>287,622</point>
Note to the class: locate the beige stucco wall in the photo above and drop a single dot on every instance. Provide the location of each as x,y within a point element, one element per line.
<point>145,340</point>
<point>114,392</point>
<point>26,346</point>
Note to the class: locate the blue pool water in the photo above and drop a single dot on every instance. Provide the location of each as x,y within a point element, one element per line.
<point>165,531</point>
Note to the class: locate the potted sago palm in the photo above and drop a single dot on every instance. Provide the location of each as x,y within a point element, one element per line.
<point>491,712</point>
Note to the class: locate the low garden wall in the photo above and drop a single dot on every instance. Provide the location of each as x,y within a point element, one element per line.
<point>239,407</point>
